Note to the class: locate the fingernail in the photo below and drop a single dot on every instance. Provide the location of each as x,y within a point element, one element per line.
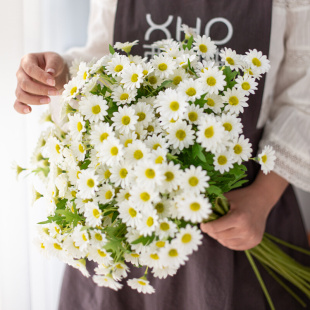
<point>45,100</point>
<point>50,70</point>
<point>53,93</point>
<point>51,82</point>
<point>26,110</point>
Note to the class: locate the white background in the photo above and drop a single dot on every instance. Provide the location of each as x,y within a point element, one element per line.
<point>28,280</point>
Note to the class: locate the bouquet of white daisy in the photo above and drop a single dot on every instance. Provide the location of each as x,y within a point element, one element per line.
<point>145,152</point>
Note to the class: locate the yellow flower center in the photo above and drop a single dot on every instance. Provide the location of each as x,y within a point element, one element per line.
<point>57,147</point>
<point>107,174</point>
<point>154,256</point>
<point>108,195</point>
<point>118,68</point>
<point>98,236</point>
<point>153,80</point>
<point>203,48</point>
<point>85,75</point>
<point>81,148</point>
<point>124,96</point>
<point>238,149</point>
<point>233,100</point>
<point>96,109</point>
<point>169,176</point>
<point>84,237</point>
<point>150,221</point>
<point>159,160</point>
<point>222,160</point>
<point>90,183</point>
<point>162,67</point>
<point>192,116</point>
<point>174,106</point>
<point>230,61</point>
<point>57,246</point>
<point>101,253</point>
<point>173,253</point>
<point>256,62</point>
<point>96,213</point>
<point>125,120</point>
<point>160,244</point>
<point>160,207</point>
<point>138,154</point>
<point>132,212</point>
<point>150,128</point>
<point>134,255</point>
<point>227,126</point>
<point>176,80</point>
<point>145,196</point>
<point>114,151</point>
<point>245,85</point>
<point>127,195</point>
<point>145,72</point>
<point>134,78</point>
<point>150,173</point>
<point>42,246</point>
<point>103,136</point>
<point>141,283</point>
<point>210,102</point>
<point>73,90</point>
<point>193,181</point>
<point>79,126</point>
<point>123,173</point>
<point>195,206</point>
<point>156,146</point>
<point>264,158</point>
<point>209,132</point>
<point>142,116</point>
<point>180,134</point>
<point>164,226</point>
<point>191,92</point>
<point>186,238</point>
<point>211,81</point>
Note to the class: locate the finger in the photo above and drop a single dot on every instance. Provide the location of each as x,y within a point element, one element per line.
<point>21,107</point>
<point>31,67</point>
<point>223,223</point>
<point>236,244</point>
<point>35,88</point>
<point>27,98</point>
<point>227,234</point>
<point>54,64</point>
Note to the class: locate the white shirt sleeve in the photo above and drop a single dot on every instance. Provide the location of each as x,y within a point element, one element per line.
<point>286,104</point>
<point>100,32</point>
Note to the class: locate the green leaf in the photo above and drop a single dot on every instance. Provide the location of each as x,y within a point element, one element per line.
<point>85,164</point>
<point>214,190</point>
<point>190,42</point>
<point>70,217</point>
<point>144,240</point>
<point>111,49</point>
<point>61,204</point>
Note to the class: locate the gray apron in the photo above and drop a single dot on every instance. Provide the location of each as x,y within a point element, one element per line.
<point>214,278</point>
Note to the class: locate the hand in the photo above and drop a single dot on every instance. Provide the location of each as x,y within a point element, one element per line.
<point>242,228</point>
<point>39,76</point>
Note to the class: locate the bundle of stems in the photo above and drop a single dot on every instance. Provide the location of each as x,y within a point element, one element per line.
<point>275,261</point>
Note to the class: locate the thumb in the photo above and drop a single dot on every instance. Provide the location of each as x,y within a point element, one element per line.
<point>54,63</point>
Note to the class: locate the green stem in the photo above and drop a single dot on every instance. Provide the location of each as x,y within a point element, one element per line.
<point>260,279</point>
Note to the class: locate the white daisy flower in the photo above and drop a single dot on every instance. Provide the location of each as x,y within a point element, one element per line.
<point>173,256</point>
<point>267,159</point>
<point>105,193</point>
<point>107,281</point>
<point>257,61</point>
<point>136,151</point>
<point>204,46</point>
<point>80,265</point>
<point>180,135</point>
<point>126,46</point>
<point>73,249</point>
<point>111,151</point>
<point>143,197</point>
<point>192,89</point>
<point>97,238</point>
<point>166,229</point>
<point>231,58</point>
<point>72,89</point>
<point>141,285</point>
<point>151,258</point>
<point>148,223</point>
<point>184,58</point>
<point>154,80</point>
<point>163,65</point>
<point>154,127</point>
<point>188,239</point>
<point>80,237</point>
<point>194,208</point>
<point>121,173</point>
<point>93,214</point>
<point>147,68</point>
<point>119,271</point>
<point>61,183</point>
<point>177,77</point>
<point>54,148</point>
<point>223,161</point>
<point>132,76</point>
<point>99,133</point>
<point>164,272</point>
<point>149,174</point>
<point>123,195</point>
<point>123,96</point>
<point>76,126</point>
<point>171,104</point>
<point>93,107</point>
<point>78,150</point>
<point>231,124</point>
<point>129,214</point>
<point>144,112</point>
<point>246,83</point>
<point>193,114</point>
<point>210,133</point>
<point>127,139</point>
<point>195,179</point>
<point>172,174</point>
<point>188,31</point>
<point>55,248</point>
<point>89,86</point>
<point>83,73</point>
<point>204,66</point>
<point>159,156</point>
<point>242,149</point>
<point>125,119</point>
<point>162,207</point>
<point>140,132</point>
<point>117,64</point>
<point>87,184</point>
<point>154,142</point>
<point>100,256</point>
<point>212,80</point>
<point>133,258</point>
<point>214,102</point>
<point>236,100</point>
